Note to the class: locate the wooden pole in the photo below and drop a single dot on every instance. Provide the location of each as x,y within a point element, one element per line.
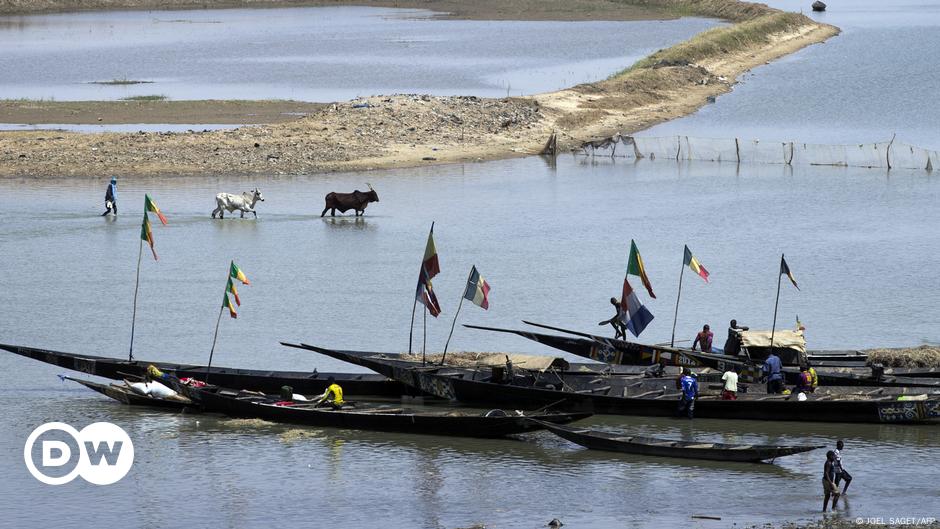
<point>454,323</point>
<point>773,328</point>
<point>215,337</point>
<point>412,329</point>
<point>140,253</point>
<point>424,338</point>
<point>675,318</point>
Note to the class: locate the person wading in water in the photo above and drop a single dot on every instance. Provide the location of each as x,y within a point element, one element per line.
<point>828,481</point>
<point>110,198</point>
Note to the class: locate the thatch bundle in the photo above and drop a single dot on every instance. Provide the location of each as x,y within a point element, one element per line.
<point>923,356</point>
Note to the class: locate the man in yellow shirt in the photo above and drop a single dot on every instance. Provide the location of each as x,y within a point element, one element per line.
<point>333,395</point>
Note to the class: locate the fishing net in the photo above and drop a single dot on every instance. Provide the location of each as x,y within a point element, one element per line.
<point>882,155</point>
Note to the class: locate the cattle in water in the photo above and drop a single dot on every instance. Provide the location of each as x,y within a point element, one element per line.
<point>244,202</point>
<point>357,200</point>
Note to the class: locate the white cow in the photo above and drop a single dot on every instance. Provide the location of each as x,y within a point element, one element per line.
<point>244,202</point>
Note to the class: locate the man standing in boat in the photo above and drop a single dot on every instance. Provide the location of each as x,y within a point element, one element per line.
<point>773,371</point>
<point>110,198</point>
<point>733,343</point>
<point>689,393</point>
<point>704,339</point>
<point>730,378</point>
<point>333,395</point>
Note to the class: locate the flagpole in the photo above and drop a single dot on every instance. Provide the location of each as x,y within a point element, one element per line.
<point>773,328</point>
<point>454,323</point>
<point>140,253</point>
<point>424,338</point>
<point>215,337</point>
<point>412,329</point>
<point>675,318</point>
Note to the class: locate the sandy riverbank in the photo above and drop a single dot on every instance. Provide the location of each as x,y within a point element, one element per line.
<point>402,131</point>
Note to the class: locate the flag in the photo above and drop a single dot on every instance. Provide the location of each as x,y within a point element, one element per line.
<point>428,299</point>
<point>784,269</point>
<point>693,263</point>
<point>227,304</point>
<point>799,324</point>
<point>150,205</point>
<point>237,273</point>
<point>147,235</point>
<point>430,266</point>
<point>477,289</point>
<point>633,314</point>
<point>635,267</point>
<point>234,291</point>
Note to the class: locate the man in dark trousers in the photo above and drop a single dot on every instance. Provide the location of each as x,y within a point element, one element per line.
<point>733,343</point>
<point>689,387</point>
<point>110,198</point>
<point>840,470</point>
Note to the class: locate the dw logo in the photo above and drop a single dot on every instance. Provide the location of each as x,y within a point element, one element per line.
<point>105,453</point>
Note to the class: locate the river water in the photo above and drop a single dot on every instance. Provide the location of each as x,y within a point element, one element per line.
<point>552,241</point>
<point>312,54</point>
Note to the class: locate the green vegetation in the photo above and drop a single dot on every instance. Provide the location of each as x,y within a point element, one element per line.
<point>155,97</point>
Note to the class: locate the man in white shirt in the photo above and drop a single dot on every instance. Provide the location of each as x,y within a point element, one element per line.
<point>730,378</point>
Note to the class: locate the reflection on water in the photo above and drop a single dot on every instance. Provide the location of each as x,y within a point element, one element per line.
<point>314,54</point>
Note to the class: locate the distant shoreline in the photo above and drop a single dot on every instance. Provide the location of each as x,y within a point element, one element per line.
<point>413,130</point>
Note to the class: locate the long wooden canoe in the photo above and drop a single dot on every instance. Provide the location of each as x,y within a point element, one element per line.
<point>653,446</point>
<point>454,422</point>
<point>622,352</point>
<point>598,395</point>
<point>252,379</point>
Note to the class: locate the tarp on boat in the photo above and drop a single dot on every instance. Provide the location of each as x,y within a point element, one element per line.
<point>481,359</point>
<point>783,339</point>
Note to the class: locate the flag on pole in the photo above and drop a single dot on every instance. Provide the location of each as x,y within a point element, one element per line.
<point>477,290</point>
<point>693,263</point>
<point>427,298</point>
<point>237,273</point>
<point>430,266</point>
<point>227,304</point>
<point>146,235</point>
<point>784,269</point>
<point>234,291</point>
<point>633,314</point>
<point>635,267</point>
<point>150,205</point>
<point>799,324</point>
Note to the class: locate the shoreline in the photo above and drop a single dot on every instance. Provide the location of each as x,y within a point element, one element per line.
<point>382,132</point>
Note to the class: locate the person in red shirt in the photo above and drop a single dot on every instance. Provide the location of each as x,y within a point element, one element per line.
<point>704,339</point>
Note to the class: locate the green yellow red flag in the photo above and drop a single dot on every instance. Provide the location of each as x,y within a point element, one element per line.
<point>635,267</point>
<point>227,304</point>
<point>237,273</point>
<point>146,234</point>
<point>150,205</point>
<point>231,289</point>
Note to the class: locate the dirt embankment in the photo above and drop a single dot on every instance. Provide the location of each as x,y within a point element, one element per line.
<point>397,131</point>
<point>453,9</point>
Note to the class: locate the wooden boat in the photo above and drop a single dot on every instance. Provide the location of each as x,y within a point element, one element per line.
<point>618,352</point>
<point>494,423</point>
<point>652,446</point>
<point>607,395</point>
<point>123,394</point>
<point>251,379</point>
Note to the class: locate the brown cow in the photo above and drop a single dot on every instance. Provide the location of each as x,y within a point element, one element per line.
<point>357,200</point>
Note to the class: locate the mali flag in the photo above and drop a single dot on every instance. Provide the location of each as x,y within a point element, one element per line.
<point>146,234</point>
<point>693,263</point>
<point>231,289</point>
<point>430,266</point>
<point>635,267</point>
<point>150,205</point>
<point>227,304</point>
<point>237,273</point>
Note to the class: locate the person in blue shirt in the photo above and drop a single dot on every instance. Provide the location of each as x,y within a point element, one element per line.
<point>773,371</point>
<point>689,393</point>
<point>110,198</point>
